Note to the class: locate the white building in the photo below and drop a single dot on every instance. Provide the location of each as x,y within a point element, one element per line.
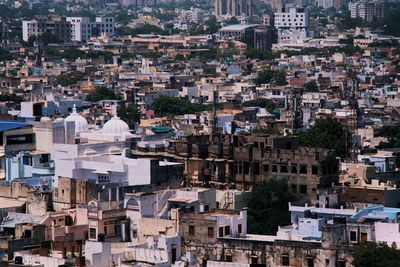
<point>101,155</point>
<point>292,24</point>
<point>82,28</point>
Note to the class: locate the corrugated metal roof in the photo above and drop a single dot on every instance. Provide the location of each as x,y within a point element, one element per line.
<point>10,125</point>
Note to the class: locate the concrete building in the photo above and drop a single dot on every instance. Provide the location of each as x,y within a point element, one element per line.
<point>291,23</point>
<point>233,8</point>
<point>56,25</point>
<point>83,29</point>
<point>367,10</point>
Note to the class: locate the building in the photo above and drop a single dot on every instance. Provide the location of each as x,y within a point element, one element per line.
<point>263,36</point>
<point>233,8</point>
<point>195,15</point>
<point>3,29</point>
<point>56,25</point>
<point>292,24</point>
<point>82,28</point>
<point>367,10</point>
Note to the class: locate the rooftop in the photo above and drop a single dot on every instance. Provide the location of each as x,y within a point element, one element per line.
<point>237,27</point>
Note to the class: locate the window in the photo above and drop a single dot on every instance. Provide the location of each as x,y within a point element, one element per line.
<point>116,229</point>
<point>310,261</point>
<point>134,233</point>
<point>221,231</point>
<point>228,258</point>
<point>210,232</point>
<point>341,263</point>
<point>284,169</point>
<point>227,230</point>
<point>364,237</point>
<point>303,189</point>
<point>294,169</point>
<point>303,169</point>
<point>274,168</point>
<point>256,168</point>
<point>353,236</point>
<point>285,260</point>
<point>191,230</point>
<point>314,170</point>
<point>102,178</point>
<point>92,233</point>
<point>239,228</point>
<point>326,262</point>
<point>265,168</point>
<point>105,230</point>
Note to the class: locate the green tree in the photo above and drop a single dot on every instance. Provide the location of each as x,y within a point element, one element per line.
<point>11,98</point>
<point>311,86</point>
<point>266,130</point>
<point>67,79</point>
<point>271,76</point>
<point>169,106</point>
<point>129,113</point>
<point>232,21</point>
<point>268,207</point>
<point>376,255</point>
<point>326,133</point>
<point>102,93</point>
<point>262,103</point>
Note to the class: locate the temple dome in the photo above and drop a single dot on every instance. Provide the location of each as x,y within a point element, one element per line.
<point>81,123</point>
<point>116,126</point>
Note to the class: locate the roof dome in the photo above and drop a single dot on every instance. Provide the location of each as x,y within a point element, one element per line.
<point>116,126</point>
<point>81,123</point>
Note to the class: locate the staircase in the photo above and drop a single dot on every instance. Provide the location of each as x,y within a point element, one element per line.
<point>162,204</point>
<point>226,201</point>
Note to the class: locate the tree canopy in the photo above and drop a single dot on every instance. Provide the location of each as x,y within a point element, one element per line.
<point>169,105</point>
<point>129,113</point>
<point>311,86</point>
<point>262,103</point>
<point>271,76</point>
<point>268,207</point>
<point>376,255</point>
<point>66,79</point>
<point>326,133</point>
<point>102,93</point>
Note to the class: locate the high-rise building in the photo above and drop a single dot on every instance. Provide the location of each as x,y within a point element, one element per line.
<point>56,25</point>
<point>3,29</point>
<point>233,8</point>
<point>292,23</point>
<point>368,10</point>
<point>82,28</point>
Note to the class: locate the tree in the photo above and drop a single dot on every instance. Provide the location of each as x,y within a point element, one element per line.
<point>268,207</point>
<point>102,93</point>
<point>311,86</point>
<point>376,255</point>
<point>271,76</point>
<point>326,133</point>
<point>392,133</point>
<point>129,113</point>
<point>11,98</point>
<point>170,106</point>
<point>266,130</point>
<point>262,103</point>
<point>232,21</point>
<point>67,79</point>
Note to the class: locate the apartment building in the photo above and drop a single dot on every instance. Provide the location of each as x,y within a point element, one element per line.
<point>367,10</point>
<point>56,25</point>
<point>292,23</point>
<point>82,28</point>
<point>233,8</point>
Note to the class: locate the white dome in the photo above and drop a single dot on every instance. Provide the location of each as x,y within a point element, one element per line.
<point>81,123</point>
<point>116,126</point>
